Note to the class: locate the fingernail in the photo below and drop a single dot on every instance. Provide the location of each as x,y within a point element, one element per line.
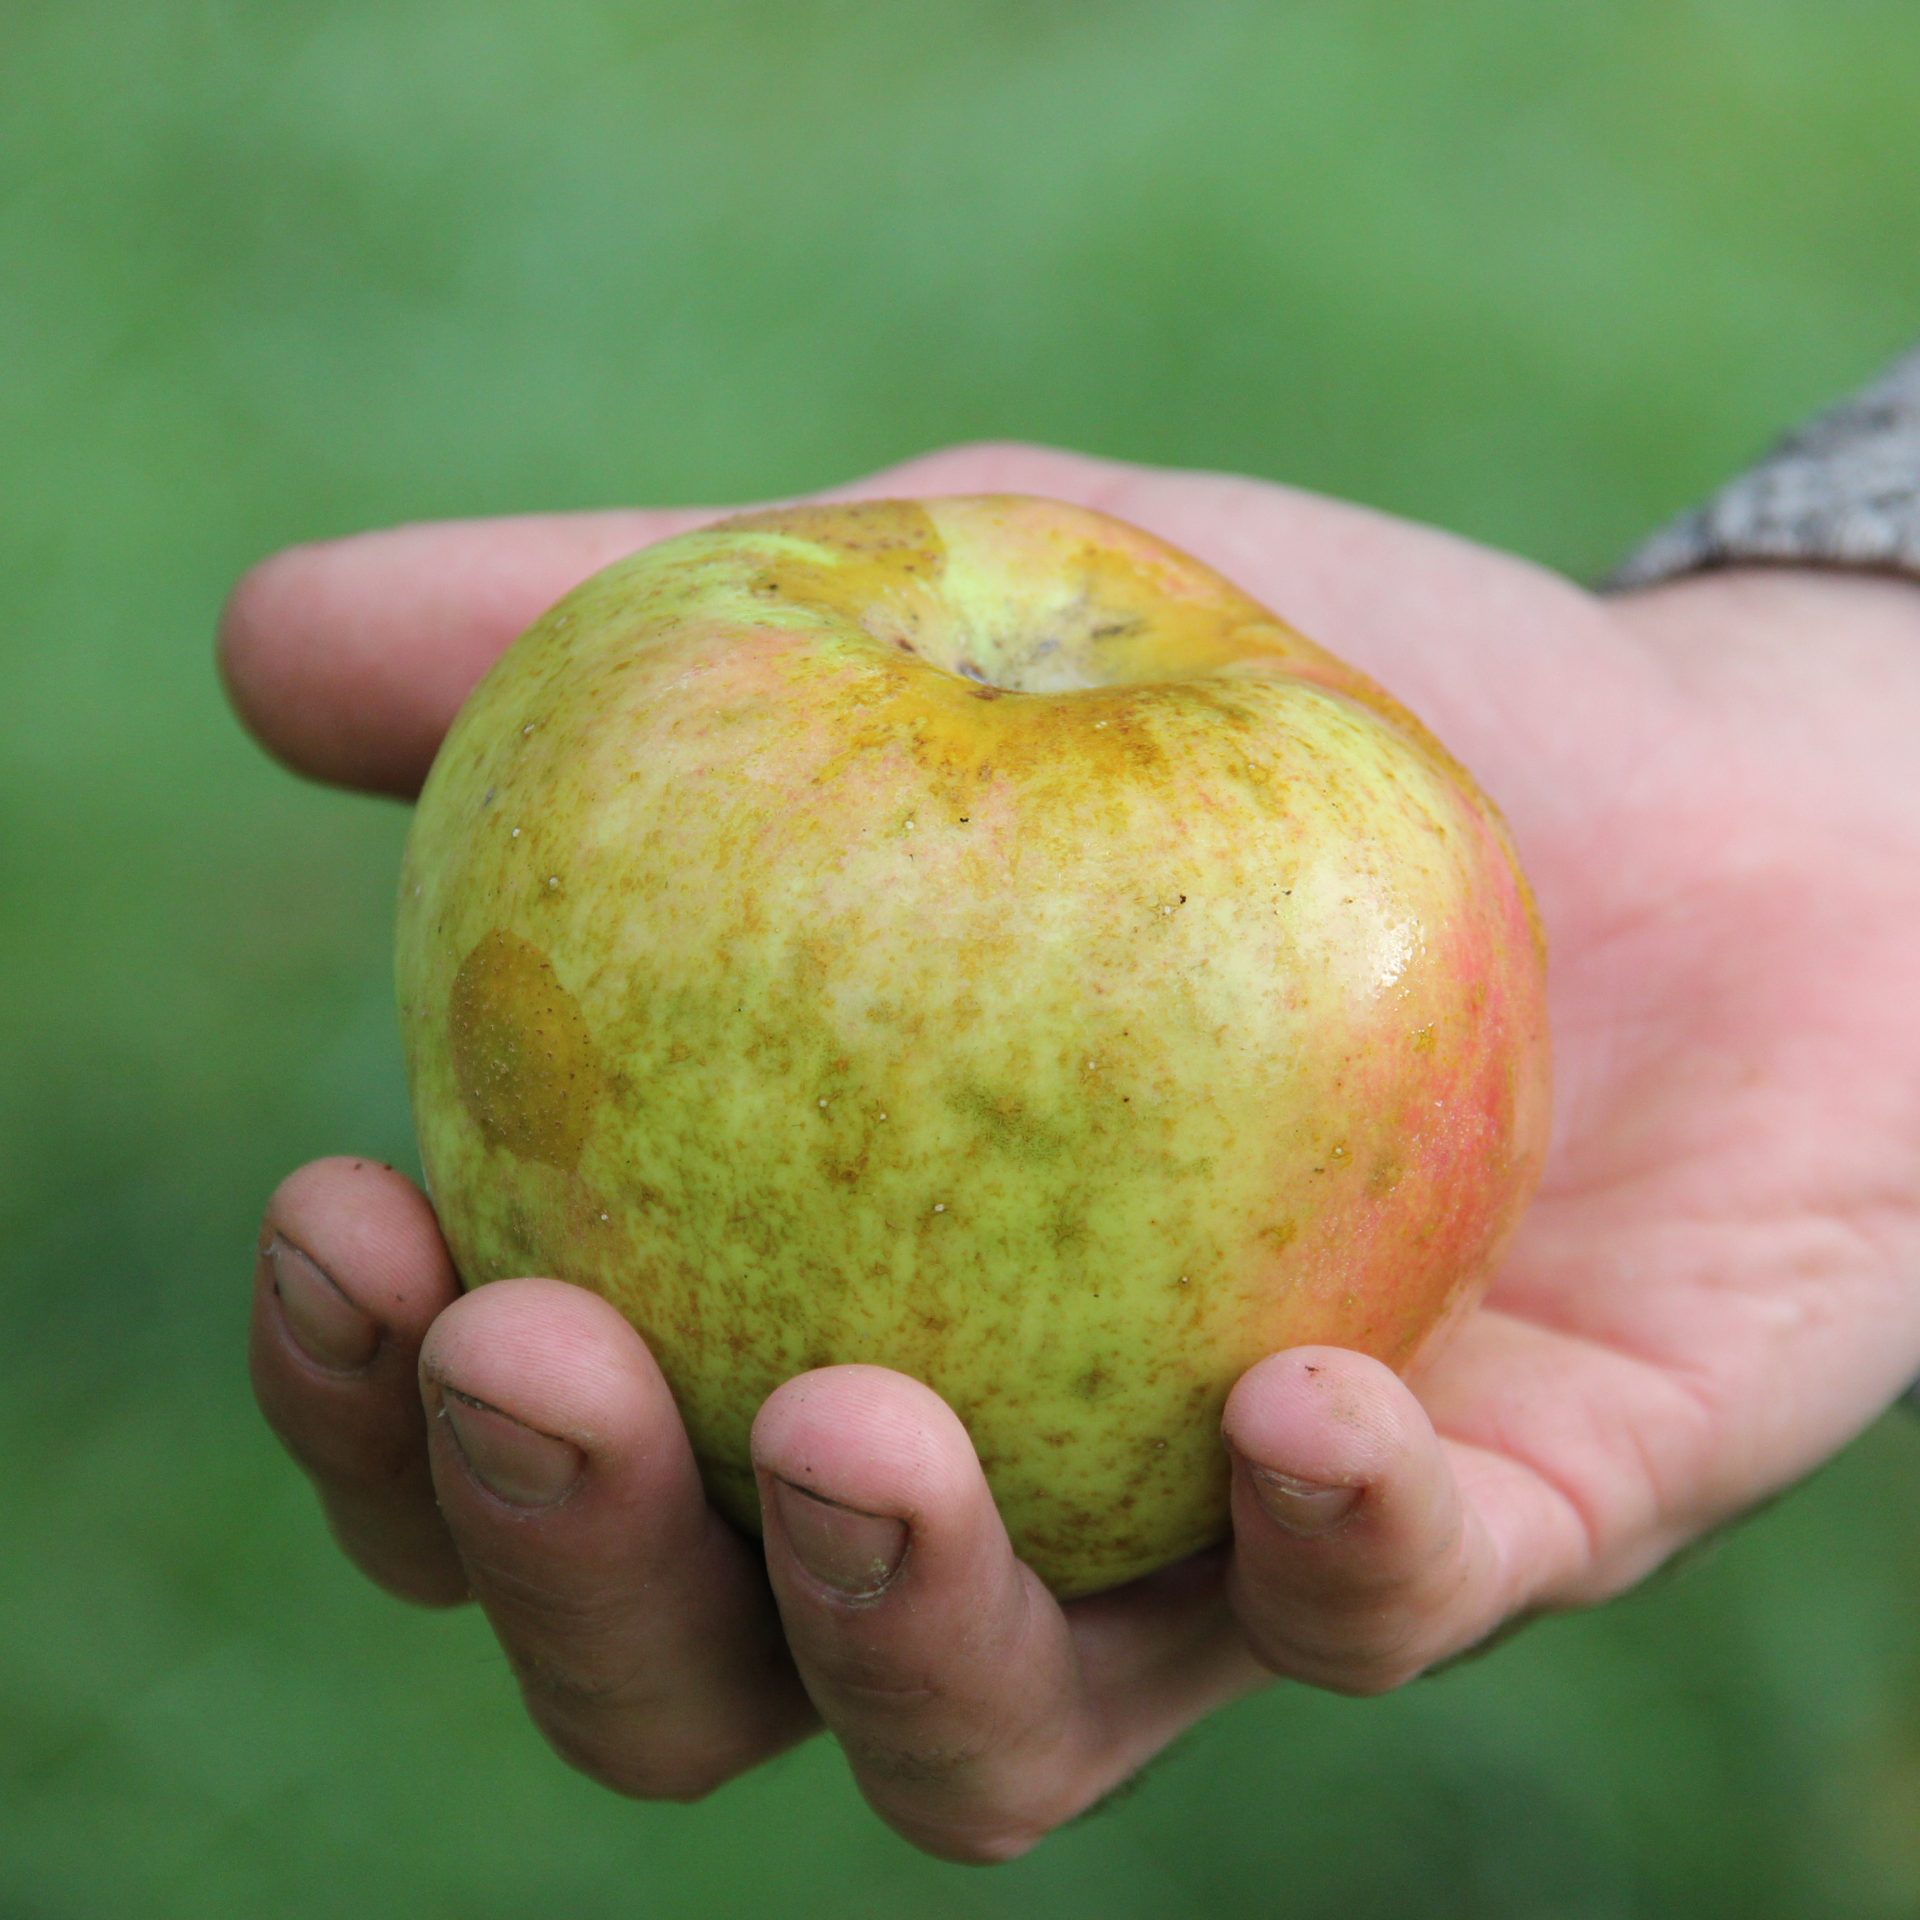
<point>1304,1507</point>
<point>326,1326</point>
<point>855,1553</point>
<point>523,1466</point>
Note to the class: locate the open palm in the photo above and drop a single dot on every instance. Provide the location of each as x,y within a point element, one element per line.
<point>1718,1284</point>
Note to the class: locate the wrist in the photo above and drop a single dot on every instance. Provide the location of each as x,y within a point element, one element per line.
<point>1757,609</point>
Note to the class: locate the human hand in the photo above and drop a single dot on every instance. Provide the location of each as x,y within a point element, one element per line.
<point>1715,1288</point>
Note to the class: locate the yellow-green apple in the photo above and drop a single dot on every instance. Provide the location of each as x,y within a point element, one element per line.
<point>972,937</point>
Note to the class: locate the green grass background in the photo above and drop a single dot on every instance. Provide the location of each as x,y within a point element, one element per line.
<point>1539,274</point>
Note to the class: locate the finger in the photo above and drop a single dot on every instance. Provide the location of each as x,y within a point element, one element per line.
<point>349,658</point>
<point>350,1274</point>
<point>944,1667</point>
<point>637,1620</point>
<point>1359,1559</point>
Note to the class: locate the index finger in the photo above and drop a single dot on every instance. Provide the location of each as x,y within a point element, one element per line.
<point>349,658</point>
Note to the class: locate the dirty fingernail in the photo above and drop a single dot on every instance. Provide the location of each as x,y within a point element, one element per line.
<point>855,1553</point>
<point>517,1462</point>
<point>1304,1507</point>
<point>326,1326</point>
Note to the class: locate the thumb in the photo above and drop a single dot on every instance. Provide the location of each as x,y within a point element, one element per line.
<point>1358,1560</point>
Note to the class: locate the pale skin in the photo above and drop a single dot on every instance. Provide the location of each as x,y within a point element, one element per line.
<point>1717,1287</point>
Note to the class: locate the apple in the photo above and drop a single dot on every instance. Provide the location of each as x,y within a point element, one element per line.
<point>970,936</point>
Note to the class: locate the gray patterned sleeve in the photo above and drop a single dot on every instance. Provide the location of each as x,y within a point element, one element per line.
<point>1841,491</point>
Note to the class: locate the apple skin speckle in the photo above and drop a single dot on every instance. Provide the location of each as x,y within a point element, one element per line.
<point>1196,1010</point>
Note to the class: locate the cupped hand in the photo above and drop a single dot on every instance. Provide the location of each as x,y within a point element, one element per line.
<point>1718,1285</point>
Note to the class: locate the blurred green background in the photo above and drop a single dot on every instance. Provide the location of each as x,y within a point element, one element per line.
<point>269,273</point>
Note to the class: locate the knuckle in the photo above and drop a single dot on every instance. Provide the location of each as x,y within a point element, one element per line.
<point>1368,1680</point>
<point>657,1763</point>
<point>989,1841</point>
<point>413,1561</point>
<point>911,1763</point>
<point>370,1458</point>
<point>1363,1664</point>
<point>686,1783</point>
<point>997,1846</point>
<point>342,1437</point>
<point>890,1672</point>
<point>437,1585</point>
<point>1357,1673</point>
<point>594,1672</point>
<point>873,1670</point>
<point>563,1690</point>
<point>571,1641</point>
<point>684,1779</point>
<point>637,1775</point>
<point>869,1685</point>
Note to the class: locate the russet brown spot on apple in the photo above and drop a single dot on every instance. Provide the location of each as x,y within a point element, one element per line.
<point>522,1055</point>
